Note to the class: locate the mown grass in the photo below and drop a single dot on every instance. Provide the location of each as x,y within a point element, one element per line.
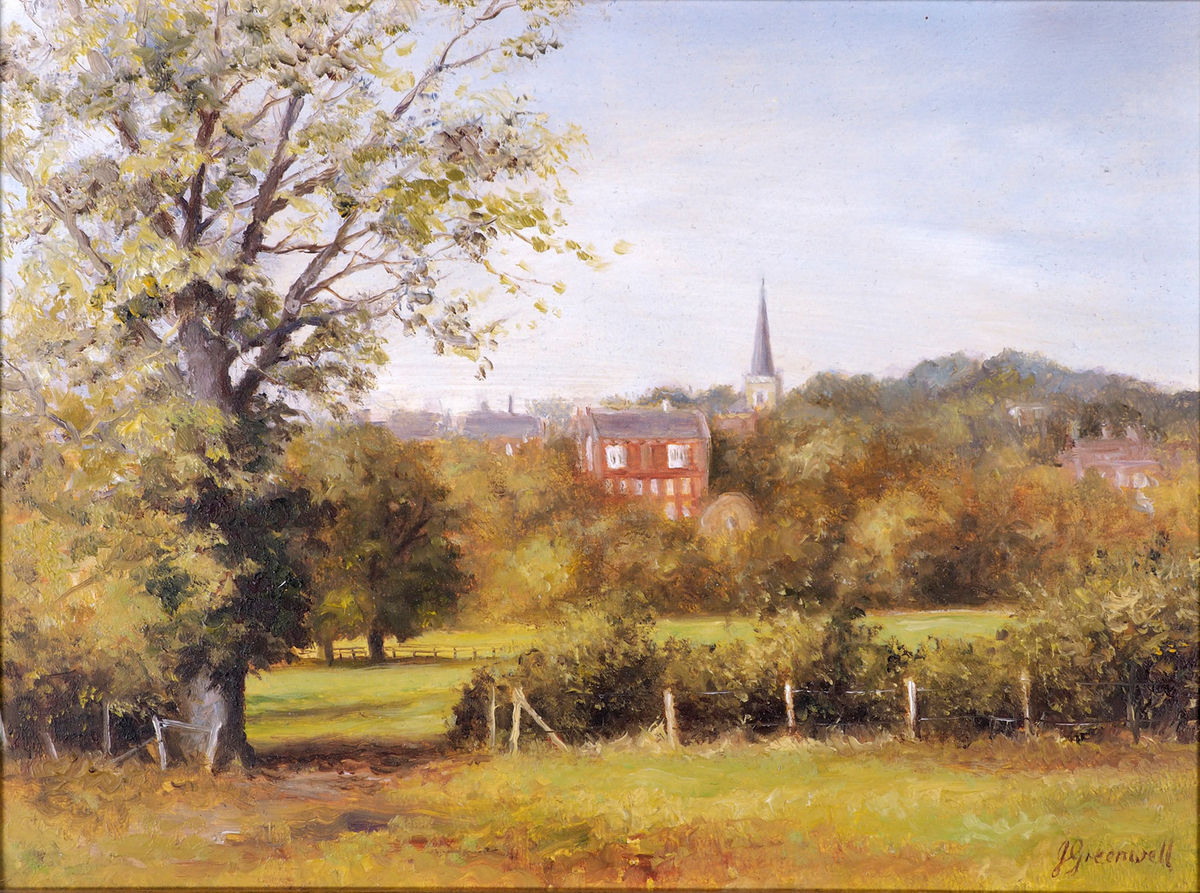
<point>783,813</point>
<point>913,628</point>
<point>385,703</point>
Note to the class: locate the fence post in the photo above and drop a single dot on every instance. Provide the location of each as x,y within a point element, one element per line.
<point>107,737</point>
<point>211,751</point>
<point>791,706</point>
<point>162,744</point>
<point>533,714</point>
<point>516,723</point>
<point>1131,706</point>
<point>914,722</point>
<point>669,711</point>
<point>1025,704</point>
<point>492,721</point>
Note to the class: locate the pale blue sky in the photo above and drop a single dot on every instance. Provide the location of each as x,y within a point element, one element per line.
<point>912,179</point>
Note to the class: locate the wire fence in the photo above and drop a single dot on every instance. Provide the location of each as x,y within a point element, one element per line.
<point>909,714</point>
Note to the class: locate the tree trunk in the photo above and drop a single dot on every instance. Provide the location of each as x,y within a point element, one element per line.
<point>222,698</point>
<point>375,645</point>
<point>327,645</point>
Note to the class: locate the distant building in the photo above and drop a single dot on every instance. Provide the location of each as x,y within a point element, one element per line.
<point>410,425</point>
<point>661,456</point>
<point>1125,462</point>
<point>506,430</point>
<point>763,384</point>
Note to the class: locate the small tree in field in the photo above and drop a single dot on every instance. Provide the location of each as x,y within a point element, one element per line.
<point>215,203</point>
<point>386,563</point>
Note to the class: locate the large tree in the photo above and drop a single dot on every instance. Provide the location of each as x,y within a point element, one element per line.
<point>222,200</point>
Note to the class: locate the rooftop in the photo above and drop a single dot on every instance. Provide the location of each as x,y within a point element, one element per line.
<point>484,425</point>
<point>649,423</point>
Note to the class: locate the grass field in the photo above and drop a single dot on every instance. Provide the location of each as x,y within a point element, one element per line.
<point>356,787</point>
<point>782,813</point>
<point>383,704</point>
<point>910,627</point>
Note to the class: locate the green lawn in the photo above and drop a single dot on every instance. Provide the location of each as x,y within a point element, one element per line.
<point>386,703</point>
<point>705,630</point>
<point>911,628</point>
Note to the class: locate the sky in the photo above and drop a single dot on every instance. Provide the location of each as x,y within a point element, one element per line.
<point>909,179</point>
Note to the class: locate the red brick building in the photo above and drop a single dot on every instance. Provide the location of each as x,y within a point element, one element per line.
<point>661,456</point>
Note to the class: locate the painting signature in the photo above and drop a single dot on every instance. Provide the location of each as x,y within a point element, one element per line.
<point>1075,853</point>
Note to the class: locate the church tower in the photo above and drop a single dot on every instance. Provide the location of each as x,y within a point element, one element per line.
<point>764,386</point>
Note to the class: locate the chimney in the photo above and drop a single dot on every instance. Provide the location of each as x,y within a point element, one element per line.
<point>510,404</point>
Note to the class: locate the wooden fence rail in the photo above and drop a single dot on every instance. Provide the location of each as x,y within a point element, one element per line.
<point>415,652</point>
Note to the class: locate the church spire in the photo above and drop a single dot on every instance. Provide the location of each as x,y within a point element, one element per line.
<point>762,363</point>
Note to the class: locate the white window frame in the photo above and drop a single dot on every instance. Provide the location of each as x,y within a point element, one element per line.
<point>637,487</point>
<point>669,511</point>
<point>616,455</point>
<point>654,486</point>
<point>669,487</point>
<point>679,455</point>
<point>685,486</point>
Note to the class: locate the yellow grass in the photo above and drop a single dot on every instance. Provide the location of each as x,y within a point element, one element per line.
<point>779,813</point>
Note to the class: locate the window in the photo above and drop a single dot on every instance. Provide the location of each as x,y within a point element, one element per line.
<point>623,485</point>
<point>616,455</point>
<point>637,487</point>
<point>687,513</point>
<point>647,455</point>
<point>654,487</point>
<point>685,486</point>
<point>670,510</point>
<point>588,451</point>
<point>608,485</point>
<point>678,455</point>
<point>670,487</point>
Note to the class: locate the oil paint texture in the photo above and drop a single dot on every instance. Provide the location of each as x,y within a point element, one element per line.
<point>632,444</point>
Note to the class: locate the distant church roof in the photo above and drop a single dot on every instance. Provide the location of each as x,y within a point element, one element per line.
<point>762,363</point>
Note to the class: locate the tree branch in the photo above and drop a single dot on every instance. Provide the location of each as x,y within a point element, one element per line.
<point>296,297</point>
<point>194,206</point>
<point>265,204</point>
<point>442,65</point>
<point>82,240</point>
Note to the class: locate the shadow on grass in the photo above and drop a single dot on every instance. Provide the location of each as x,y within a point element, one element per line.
<point>327,755</point>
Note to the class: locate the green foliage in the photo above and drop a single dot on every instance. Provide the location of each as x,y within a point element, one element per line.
<point>217,203</point>
<point>385,560</point>
<point>1132,624</point>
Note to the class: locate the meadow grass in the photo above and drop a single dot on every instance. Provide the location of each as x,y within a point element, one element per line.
<point>913,628</point>
<point>388,702</point>
<point>783,813</point>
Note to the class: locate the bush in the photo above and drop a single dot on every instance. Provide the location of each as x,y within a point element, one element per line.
<point>603,675</point>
